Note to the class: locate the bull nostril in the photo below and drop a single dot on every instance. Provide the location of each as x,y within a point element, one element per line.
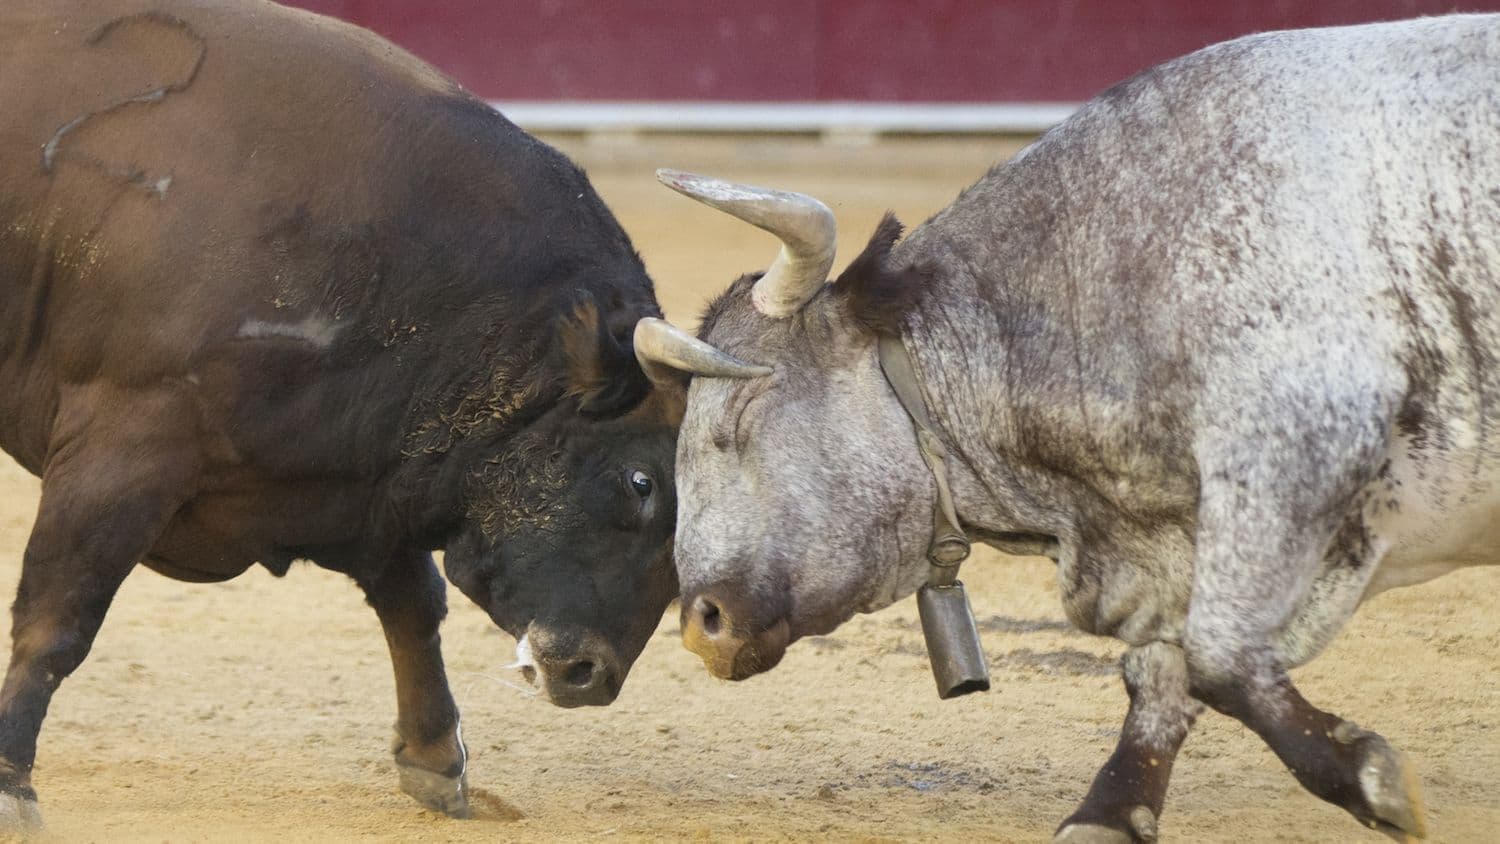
<point>708,615</point>
<point>580,674</point>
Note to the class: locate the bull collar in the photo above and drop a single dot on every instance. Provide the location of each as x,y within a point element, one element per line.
<point>949,546</point>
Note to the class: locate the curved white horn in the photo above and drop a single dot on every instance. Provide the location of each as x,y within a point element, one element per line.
<point>804,225</point>
<point>661,347</point>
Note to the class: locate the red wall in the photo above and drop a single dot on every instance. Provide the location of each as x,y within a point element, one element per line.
<point>808,50</point>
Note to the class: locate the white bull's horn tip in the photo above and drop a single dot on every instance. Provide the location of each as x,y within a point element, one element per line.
<point>717,193</point>
<point>803,224</point>
<point>681,180</point>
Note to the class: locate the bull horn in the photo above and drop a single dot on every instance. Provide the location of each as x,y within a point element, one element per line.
<point>662,347</point>
<point>805,226</point>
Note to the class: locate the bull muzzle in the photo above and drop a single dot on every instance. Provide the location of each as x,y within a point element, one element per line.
<point>717,631</point>
<point>571,669</point>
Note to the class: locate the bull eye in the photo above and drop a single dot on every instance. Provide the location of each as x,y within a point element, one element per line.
<point>641,483</point>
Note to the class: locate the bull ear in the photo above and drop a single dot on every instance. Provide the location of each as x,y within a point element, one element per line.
<point>602,373</point>
<point>879,296</point>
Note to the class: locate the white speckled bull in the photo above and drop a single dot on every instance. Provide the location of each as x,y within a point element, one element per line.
<point>1223,343</point>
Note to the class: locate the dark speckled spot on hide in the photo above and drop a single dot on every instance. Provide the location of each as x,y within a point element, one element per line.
<point>1461,310</point>
<point>1350,546</point>
<point>1442,258</point>
<point>1462,305</point>
<point>1228,247</point>
<point>1425,366</point>
<point>1414,419</point>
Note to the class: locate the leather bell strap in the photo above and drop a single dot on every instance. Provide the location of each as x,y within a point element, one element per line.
<point>949,545</point>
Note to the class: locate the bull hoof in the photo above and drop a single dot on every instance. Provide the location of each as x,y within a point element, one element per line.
<point>1088,833</point>
<point>449,795</point>
<point>1142,831</point>
<point>19,816</point>
<point>1391,791</point>
<point>1393,799</point>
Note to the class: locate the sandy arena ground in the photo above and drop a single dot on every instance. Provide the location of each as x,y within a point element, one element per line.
<point>259,710</point>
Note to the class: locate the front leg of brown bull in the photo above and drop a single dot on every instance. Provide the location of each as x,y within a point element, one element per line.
<point>1126,798</point>
<point>104,503</point>
<point>409,596</point>
<point>1251,586</point>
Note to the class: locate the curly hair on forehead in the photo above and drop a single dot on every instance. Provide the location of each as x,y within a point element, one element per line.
<point>578,354</point>
<point>522,487</point>
<point>495,402</point>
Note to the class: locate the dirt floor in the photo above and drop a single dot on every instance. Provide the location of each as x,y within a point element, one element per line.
<point>259,710</point>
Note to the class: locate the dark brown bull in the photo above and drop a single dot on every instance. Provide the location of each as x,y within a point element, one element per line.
<point>276,290</point>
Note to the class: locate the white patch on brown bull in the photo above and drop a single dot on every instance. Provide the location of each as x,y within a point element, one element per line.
<point>313,329</point>
<point>524,662</point>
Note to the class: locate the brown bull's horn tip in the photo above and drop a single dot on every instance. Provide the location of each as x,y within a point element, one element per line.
<point>661,347</point>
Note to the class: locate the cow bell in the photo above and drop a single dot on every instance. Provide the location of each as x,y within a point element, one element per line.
<point>953,646</point>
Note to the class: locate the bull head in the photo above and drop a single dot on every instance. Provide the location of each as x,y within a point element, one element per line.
<point>775,541</point>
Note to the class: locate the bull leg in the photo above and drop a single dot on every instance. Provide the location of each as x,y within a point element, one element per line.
<point>1126,798</point>
<point>1254,580</point>
<point>99,513</point>
<point>409,597</point>
<point>1332,758</point>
